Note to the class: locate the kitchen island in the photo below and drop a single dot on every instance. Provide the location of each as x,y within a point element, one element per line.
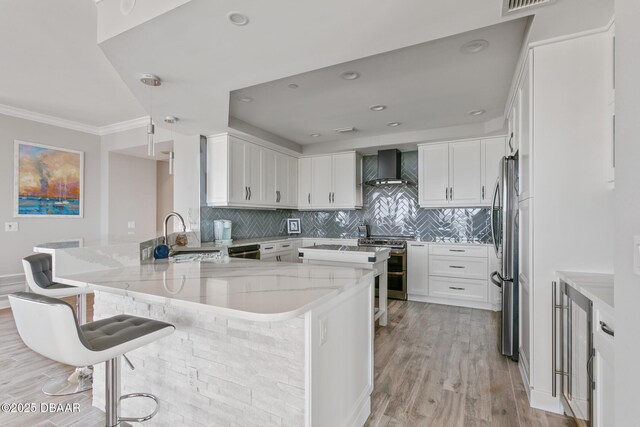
<point>366,257</point>
<point>256,343</point>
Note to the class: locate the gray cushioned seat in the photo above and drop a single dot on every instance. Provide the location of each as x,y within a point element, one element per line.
<point>41,267</point>
<point>107,333</point>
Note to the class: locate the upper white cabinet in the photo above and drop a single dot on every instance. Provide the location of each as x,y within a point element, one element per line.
<point>458,173</point>
<point>330,181</point>
<point>493,150</point>
<point>243,174</point>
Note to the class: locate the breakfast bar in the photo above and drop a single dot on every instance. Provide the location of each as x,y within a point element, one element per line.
<point>256,343</point>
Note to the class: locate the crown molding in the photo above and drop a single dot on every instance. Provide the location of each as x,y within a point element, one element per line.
<point>73,125</point>
<point>122,126</point>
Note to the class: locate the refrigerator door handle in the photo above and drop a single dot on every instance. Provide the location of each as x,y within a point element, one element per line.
<point>498,282</point>
<point>491,212</point>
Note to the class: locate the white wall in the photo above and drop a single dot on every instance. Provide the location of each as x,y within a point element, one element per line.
<point>16,245</point>
<point>132,196</point>
<point>164,193</point>
<point>627,210</point>
<point>572,201</point>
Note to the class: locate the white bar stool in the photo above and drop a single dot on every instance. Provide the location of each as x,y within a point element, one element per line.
<point>48,326</point>
<point>38,270</point>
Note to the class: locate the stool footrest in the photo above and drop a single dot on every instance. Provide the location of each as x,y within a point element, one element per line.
<point>145,418</point>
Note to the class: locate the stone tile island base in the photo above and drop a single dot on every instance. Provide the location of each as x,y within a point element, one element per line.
<point>312,370</point>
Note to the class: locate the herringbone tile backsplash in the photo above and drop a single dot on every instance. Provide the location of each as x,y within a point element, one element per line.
<point>389,210</point>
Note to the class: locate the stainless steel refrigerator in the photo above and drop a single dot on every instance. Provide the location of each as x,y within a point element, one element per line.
<point>504,232</point>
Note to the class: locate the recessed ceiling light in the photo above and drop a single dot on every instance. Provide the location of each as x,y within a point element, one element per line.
<point>245,99</point>
<point>394,124</point>
<point>474,46</point>
<point>237,18</point>
<point>378,107</point>
<point>293,86</point>
<point>150,80</point>
<point>170,119</point>
<point>476,112</point>
<point>350,75</point>
<point>315,135</point>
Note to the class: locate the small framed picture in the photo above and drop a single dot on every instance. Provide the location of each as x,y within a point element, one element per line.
<point>293,225</point>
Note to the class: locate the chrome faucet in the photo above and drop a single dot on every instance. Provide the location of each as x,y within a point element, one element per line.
<point>166,220</point>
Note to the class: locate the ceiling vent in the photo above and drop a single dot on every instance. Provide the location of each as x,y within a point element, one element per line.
<point>513,6</point>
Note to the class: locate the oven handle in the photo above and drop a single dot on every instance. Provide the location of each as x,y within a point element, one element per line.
<point>396,273</point>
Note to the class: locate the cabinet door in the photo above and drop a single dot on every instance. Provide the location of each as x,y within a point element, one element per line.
<point>417,268</point>
<point>304,183</point>
<point>492,152</point>
<point>433,175</point>
<point>254,165</point>
<point>281,188</point>
<point>321,181</point>
<point>344,183</point>
<point>292,188</point>
<point>238,172</point>
<point>269,176</point>
<point>603,399</point>
<point>464,173</point>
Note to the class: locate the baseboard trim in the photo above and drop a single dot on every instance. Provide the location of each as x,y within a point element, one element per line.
<point>525,377</point>
<point>545,401</point>
<point>454,302</point>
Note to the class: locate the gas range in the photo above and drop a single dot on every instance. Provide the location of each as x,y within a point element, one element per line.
<point>393,242</point>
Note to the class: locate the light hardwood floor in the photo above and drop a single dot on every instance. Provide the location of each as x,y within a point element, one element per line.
<point>438,365</point>
<point>435,365</point>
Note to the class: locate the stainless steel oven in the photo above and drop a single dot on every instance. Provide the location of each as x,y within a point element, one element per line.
<point>396,265</point>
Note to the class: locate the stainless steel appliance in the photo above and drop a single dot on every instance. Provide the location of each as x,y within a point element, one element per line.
<point>397,264</point>
<point>504,233</point>
<point>246,251</point>
<point>576,353</point>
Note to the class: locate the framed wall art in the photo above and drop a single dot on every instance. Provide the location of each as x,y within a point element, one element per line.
<point>48,181</point>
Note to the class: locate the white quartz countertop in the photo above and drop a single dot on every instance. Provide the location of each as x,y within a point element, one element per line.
<point>598,287</point>
<point>247,289</point>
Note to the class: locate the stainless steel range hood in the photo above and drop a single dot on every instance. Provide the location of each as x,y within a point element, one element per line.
<point>389,172</point>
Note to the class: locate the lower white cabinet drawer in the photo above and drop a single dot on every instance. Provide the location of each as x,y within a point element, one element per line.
<point>470,290</point>
<point>462,267</point>
<point>459,250</point>
<point>284,246</point>
<point>266,248</point>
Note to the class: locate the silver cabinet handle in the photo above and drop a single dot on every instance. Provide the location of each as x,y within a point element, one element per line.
<point>450,193</point>
<point>278,196</point>
<point>269,248</point>
<point>246,193</point>
<point>483,192</point>
<point>329,196</point>
<point>333,197</point>
<point>249,193</point>
<point>457,250</point>
<point>606,329</point>
<point>456,289</point>
<point>417,246</point>
<point>511,142</point>
<point>456,266</point>
<point>446,193</point>
<point>286,246</point>
<point>309,198</point>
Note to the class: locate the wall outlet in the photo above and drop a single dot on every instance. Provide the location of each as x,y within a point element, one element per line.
<point>323,331</point>
<point>10,226</point>
<point>131,224</point>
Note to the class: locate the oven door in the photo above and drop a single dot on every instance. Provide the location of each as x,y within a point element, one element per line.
<point>396,276</point>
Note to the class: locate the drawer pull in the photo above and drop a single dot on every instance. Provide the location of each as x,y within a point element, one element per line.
<point>606,329</point>
<point>285,246</point>
<point>457,250</point>
<point>456,266</point>
<point>417,246</point>
<point>456,289</point>
<point>270,247</point>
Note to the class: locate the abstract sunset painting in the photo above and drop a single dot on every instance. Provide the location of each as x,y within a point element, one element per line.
<point>48,181</point>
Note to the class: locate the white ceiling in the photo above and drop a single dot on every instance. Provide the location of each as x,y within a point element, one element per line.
<point>202,57</point>
<point>52,65</point>
<point>426,86</point>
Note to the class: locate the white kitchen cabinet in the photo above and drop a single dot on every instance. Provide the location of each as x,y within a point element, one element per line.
<point>493,150</point>
<point>417,268</point>
<point>335,182</point>
<point>524,134</point>
<point>464,173</point>
<point>433,175</point>
<point>603,370</point>
<point>243,174</point>
<point>450,174</point>
<point>304,183</point>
